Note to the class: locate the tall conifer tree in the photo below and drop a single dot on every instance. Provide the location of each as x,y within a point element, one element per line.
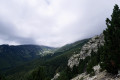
<point>111,54</point>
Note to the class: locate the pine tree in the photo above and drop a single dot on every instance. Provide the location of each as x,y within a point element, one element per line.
<point>111,54</point>
<point>38,74</point>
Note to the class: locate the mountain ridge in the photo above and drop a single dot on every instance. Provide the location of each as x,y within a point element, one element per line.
<point>12,55</point>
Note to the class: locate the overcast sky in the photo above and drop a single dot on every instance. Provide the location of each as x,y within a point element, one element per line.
<point>52,22</point>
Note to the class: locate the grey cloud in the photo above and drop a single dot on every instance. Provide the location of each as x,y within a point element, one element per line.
<point>9,33</point>
<point>52,22</point>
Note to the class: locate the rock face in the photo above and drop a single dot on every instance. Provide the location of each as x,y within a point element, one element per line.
<point>99,76</point>
<point>92,44</point>
<point>56,76</point>
<point>96,69</point>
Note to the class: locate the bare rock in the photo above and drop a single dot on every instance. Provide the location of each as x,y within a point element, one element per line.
<point>56,76</point>
<point>92,44</point>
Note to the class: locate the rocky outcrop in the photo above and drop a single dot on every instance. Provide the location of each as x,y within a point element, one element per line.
<point>56,76</point>
<point>99,76</point>
<point>85,76</point>
<point>92,44</point>
<point>96,69</point>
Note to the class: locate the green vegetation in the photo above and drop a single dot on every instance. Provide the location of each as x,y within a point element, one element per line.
<point>72,45</point>
<point>12,56</point>
<point>51,63</point>
<point>38,74</point>
<point>86,64</point>
<point>32,67</point>
<point>63,76</point>
<point>110,58</point>
<point>2,77</point>
<point>94,60</point>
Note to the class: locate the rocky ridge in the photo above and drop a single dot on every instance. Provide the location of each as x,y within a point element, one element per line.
<point>92,44</point>
<point>98,76</point>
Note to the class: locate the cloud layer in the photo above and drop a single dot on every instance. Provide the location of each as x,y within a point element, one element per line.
<point>52,22</point>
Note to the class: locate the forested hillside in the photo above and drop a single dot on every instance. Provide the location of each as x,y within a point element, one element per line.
<point>51,63</point>
<point>11,56</point>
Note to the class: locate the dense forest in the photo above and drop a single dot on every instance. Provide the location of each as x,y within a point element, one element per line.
<point>46,65</point>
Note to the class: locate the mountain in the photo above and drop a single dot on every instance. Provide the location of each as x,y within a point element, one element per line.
<point>86,65</point>
<point>92,45</point>
<point>53,63</point>
<point>97,58</point>
<point>47,50</point>
<point>84,61</point>
<point>72,45</point>
<point>11,56</point>
<point>80,61</point>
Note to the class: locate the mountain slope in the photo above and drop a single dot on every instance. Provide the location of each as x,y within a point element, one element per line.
<point>84,61</point>
<point>70,46</point>
<point>10,56</point>
<point>90,50</point>
<point>87,64</point>
<point>91,45</point>
<point>54,63</point>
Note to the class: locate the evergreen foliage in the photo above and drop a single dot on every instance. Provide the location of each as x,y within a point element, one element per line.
<point>52,65</point>
<point>111,53</point>
<point>94,60</point>
<point>63,76</point>
<point>86,64</point>
<point>38,74</point>
<point>2,77</point>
